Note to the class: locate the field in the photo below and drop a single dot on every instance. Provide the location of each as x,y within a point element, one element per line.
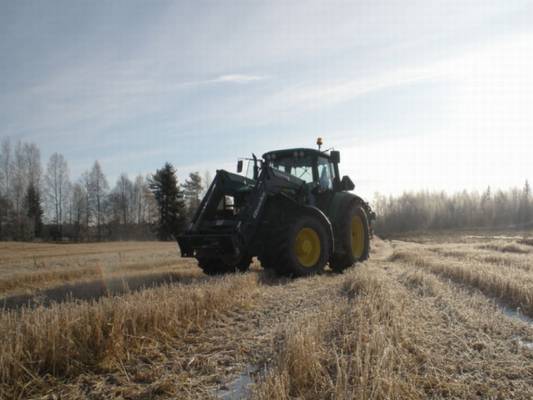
<point>440,316</point>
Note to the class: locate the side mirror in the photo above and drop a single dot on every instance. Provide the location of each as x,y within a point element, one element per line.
<point>239,166</point>
<point>346,183</point>
<point>335,157</point>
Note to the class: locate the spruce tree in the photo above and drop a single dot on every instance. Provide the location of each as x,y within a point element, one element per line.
<point>34,209</point>
<point>164,186</point>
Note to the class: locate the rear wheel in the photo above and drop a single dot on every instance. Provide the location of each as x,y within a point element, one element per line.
<point>354,239</point>
<point>299,248</point>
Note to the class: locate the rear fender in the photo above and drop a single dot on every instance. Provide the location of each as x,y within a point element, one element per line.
<point>342,201</point>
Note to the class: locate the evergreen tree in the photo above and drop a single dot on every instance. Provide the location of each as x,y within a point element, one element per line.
<point>34,209</point>
<point>192,190</point>
<point>164,186</point>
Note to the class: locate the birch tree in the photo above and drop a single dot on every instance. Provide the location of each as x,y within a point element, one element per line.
<point>57,185</point>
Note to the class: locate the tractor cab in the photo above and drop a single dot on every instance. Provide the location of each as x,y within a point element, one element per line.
<point>317,168</point>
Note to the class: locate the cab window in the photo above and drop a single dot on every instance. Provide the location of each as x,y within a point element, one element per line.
<point>325,173</point>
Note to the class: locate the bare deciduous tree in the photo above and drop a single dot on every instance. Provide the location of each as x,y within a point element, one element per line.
<point>5,167</point>
<point>57,188</point>
<point>85,182</point>
<point>78,200</point>
<point>125,190</point>
<point>207,180</point>
<point>432,211</point>
<point>138,191</point>
<point>98,190</point>
<point>192,190</point>
<point>32,160</point>
<point>19,180</point>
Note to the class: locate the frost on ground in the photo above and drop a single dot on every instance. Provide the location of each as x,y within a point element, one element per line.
<point>421,319</point>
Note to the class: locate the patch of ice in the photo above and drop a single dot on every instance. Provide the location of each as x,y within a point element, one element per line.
<point>525,343</point>
<point>515,313</point>
<point>239,388</point>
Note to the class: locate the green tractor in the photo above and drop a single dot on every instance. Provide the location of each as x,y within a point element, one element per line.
<point>292,211</point>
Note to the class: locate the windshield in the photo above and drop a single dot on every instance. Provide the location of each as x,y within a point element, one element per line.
<point>301,167</point>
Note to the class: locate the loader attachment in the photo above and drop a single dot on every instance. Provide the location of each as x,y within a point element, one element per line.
<point>214,229</point>
<point>227,219</point>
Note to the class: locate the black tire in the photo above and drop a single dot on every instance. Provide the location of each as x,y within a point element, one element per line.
<point>265,262</point>
<point>346,255</point>
<point>217,266</point>
<point>244,264</point>
<point>214,266</point>
<point>285,253</point>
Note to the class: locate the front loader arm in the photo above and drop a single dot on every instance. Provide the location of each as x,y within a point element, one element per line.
<point>269,183</point>
<point>211,233</point>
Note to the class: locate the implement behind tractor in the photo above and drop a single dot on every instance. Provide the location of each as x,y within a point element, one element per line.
<point>293,212</point>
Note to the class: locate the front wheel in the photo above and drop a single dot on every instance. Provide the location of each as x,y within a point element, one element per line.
<point>217,266</point>
<point>300,249</point>
<point>354,238</point>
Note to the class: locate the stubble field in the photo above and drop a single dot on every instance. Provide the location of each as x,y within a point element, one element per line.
<point>441,316</point>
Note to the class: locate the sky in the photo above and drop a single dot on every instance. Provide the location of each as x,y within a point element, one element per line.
<point>416,94</point>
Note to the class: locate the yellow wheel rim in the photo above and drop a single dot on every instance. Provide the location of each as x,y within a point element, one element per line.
<point>307,247</point>
<point>358,237</point>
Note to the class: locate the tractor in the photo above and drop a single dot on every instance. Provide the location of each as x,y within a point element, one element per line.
<point>291,210</point>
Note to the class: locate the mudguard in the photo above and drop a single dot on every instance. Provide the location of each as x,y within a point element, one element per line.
<point>340,202</point>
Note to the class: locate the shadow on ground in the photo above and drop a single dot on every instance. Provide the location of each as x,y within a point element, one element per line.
<point>271,278</point>
<point>93,290</point>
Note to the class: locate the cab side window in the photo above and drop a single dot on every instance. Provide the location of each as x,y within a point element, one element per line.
<point>325,173</point>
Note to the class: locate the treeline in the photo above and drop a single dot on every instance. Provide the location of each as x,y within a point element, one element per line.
<point>45,203</point>
<point>433,211</point>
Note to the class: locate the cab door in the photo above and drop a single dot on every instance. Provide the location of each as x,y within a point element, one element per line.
<point>325,176</point>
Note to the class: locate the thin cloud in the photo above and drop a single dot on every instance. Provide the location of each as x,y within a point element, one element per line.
<point>239,78</point>
<point>228,78</point>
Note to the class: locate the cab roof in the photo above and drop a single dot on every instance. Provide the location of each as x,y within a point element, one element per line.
<point>296,151</point>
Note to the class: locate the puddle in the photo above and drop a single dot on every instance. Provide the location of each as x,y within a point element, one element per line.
<point>515,313</point>
<point>239,388</point>
<point>92,290</point>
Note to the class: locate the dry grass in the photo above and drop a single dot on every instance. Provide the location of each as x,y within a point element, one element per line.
<point>28,267</point>
<point>513,286</point>
<point>468,254</point>
<point>355,348</point>
<point>526,241</point>
<point>416,321</point>
<point>68,339</point>
<point>506,247</point>
<point>22,254</point>
<point>417,339</point>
